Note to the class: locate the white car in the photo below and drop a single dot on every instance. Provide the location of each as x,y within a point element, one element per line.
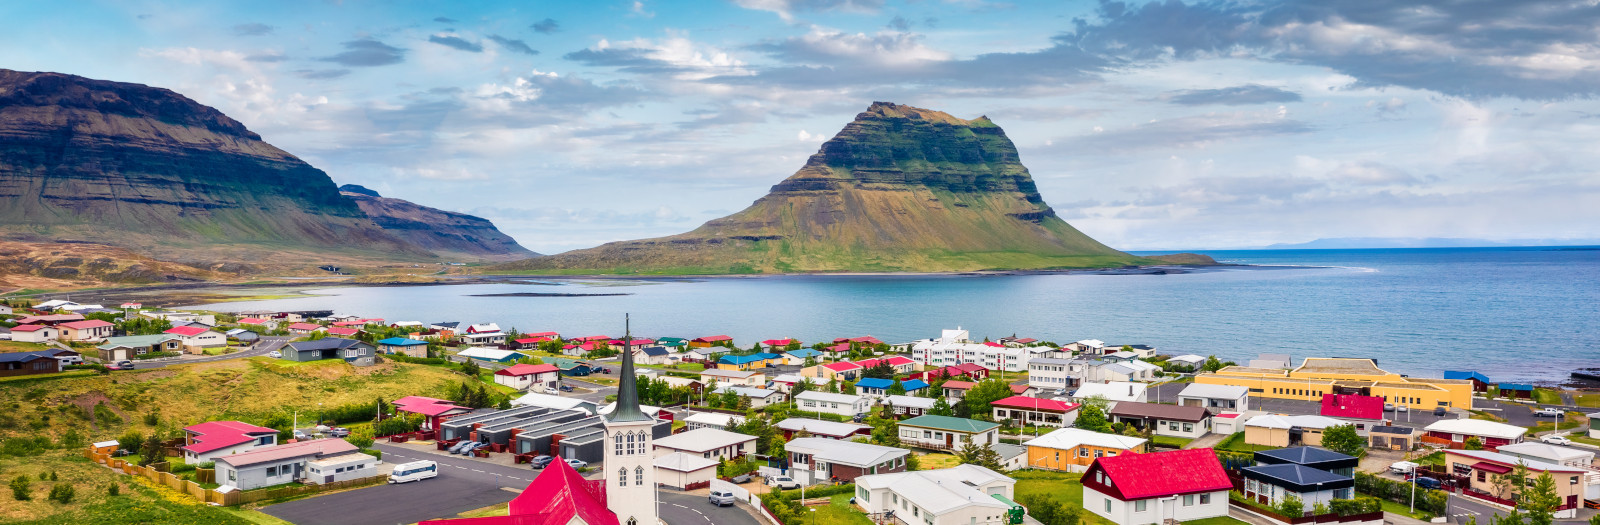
<point>274,354</point>
<point>1403,467</point>
<point>1556,440</point>
<point>783,482</point>
<point>1547,412</point>
<point>552,391</point>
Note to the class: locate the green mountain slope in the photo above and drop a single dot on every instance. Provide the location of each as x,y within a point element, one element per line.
<point>900,189</point>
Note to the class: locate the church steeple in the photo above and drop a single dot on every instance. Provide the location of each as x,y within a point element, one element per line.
<point>627,383</point>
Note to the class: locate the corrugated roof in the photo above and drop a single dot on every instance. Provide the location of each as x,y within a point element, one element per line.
<point>1070,438</point>
<point>703,439</point>
<point>1143,476</point>
<point>1158,411</point>
<point>682,462</point>
<point>847,452</point>
<point>217,435</point>
<point>323,447</point>
<point>954,424</point>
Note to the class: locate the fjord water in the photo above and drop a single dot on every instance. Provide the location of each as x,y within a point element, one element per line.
<point>1514,313</point>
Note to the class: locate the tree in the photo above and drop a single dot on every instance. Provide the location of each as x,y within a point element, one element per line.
<point>1291,506</point>
<point>1092,418</point>
<point>21,488</point>
<point>882,370</point>
<point>1212,364</point>
<point>730,399</point>
<point>941,407</point>
<point>776,448</point>
<point>151,451</point>
<point>1344,440</point>
<point>986,392</point>
<point>897,389</point>
<point>804,385</point>
<point>885,432</point>
<point>1541,500</point>
<point>984,456</point>
<point>846,387</point>
<point>471,368</point>
<point>1099,402</point>
<point>1473,443</point>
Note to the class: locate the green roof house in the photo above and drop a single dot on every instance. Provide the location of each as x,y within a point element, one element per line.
<point>947,433</point>
<point>121,348</point>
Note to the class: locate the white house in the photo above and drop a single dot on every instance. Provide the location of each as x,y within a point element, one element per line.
<point>34,333</point>
<point>1049,374</point>
<point>1218,398</point>
<point>679,470</point>
<point>523,376</point>
<point>815,460</point>
<point>960,495</point>
<point>654,355</point>
<point>713,443</point>
<point>1167,420</point>
<point>207,441</point>
<point>699,420</point>
<point>1115,392</point>
<point>1189,360</point>
<point>909,405</point>
<point>759,397</point>
<point>734,377</point>
<point>841,404</point>
<point>794,426</point>
<point>341,468</point>
<point>196,338</point>
<point>1564,456</point>
<point>954,347</point>
<point>278,464</point>
<point>1139,489</point>
<point>946,432</point>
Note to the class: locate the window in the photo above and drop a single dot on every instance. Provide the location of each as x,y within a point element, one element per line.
<point>1099,453</point>
<point>1108,504</point>
<point>265,440</point>
<point>1188,500</point>
<point>1139,506</point>
<point>233,476</point>
<point>1188,427</point>
<point>1205,499</point>
<point>272,471</point>
<point>622,477</point>
<point>895,498</point>
<point>638,475</point>
<point>618,439</point>
<point>863,494</point>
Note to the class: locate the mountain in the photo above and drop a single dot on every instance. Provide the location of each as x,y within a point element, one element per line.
<point>446,233</point>
<point>900,189</point>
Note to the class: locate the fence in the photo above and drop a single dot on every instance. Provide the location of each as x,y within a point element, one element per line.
<point>205,495</point>
<point>1369,517</point>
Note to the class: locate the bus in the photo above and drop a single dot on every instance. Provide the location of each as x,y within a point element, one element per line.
<point>413,471</point>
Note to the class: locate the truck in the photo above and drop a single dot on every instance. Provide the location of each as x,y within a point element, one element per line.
<point>1547,412</point>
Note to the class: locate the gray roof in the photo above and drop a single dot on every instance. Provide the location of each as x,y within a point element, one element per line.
<point>847,452</point>
<point>1214,391</point>
<point>326,343</point>
<point>1008,451</point>
<point>1049,361</point>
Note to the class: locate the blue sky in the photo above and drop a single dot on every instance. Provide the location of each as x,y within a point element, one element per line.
<point>1147,125</point>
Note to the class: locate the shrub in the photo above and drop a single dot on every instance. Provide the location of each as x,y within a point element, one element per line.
<point>360,441</point>
<point>131,441</point>
<point>24,446</point>
<point>152,419</point>
<point>1291,507</point>
<point>63,493</point>
<point>20,487</point>
<point>114,489</point>
<point>71,439</point>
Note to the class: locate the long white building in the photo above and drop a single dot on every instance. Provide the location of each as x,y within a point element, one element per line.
<point>954,347</point>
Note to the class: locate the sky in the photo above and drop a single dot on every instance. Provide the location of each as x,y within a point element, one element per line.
<point>1162,125</point>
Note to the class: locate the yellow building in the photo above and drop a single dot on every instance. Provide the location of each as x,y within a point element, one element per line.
<point>1074,449</point>
<point>1323,375</point>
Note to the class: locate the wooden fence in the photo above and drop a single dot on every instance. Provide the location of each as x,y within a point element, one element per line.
<point>205,495</point>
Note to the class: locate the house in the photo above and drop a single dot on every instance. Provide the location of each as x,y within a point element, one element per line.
<point>50,319</point>
<point>1313,457</point>
<point>799,357</point>
<point>1480,382</point>
<point>823,429</point>
<point>872,386</point>
<point>840,371</point>
<point>89,330</point>
<point>1138,489</point>
<point>53,305</point>
<point>1194,362</point>
<point>908,405</point>
<point>1074,449</point>
<point>749,362</point>
<point>1536,451</point>
<point>1218,398</point>
<point>1317,376</point>
<point>1050,375</point>
<point>177,317</point>
<point>305,328</point>
<point>556,403</point>
<point>34,333</point>
<point>206,441</point>
<point>700,420</point>
<point>1454,433</point>
<point>1271,484</point>
<point>28,363</point>
<point>653,355</point>
<point>779,345</point>
<point>1168,420</point>
<point>1477,471</point>
<point>946,432</point>
<point>483,338</point>
<point>125,347</point>
<point>842,404</point>
<point>785,383</point>
<point>915,387</point>
<point>1515,390</point>
<point>676,344</point>
<point>266,324</point>
<point>278,464</point>
<point>1033,411</point>
<point>1113,392</point>
<point>815,460</point>
<point>486,328</point>
<point>733,377</point>
<point>435,410</point>
<point>956,390</point>
<point>404,346</point>
<point>341,468</point>
<point>582,349</point>
<point>198,338</point>
<point>1012,457</point>
<point>1392,437</point>
<point>350,350</point>
<point>713,443</point>
<point>964,494</point>
<point>343,331</point>
<point>445,326</point>
<point>524,376</point>
<point>970,370</point>
<point>1362,410</point>
<point>1088,346</point>
<point>571,367</point>
<point>491,355</point>
<point>1276,430</point>
<point>680,470</point>
<point>759,397</point>
<point>710,340</point>
<point>558,495</point>
<point>242,335</point>
<point>899,364</point>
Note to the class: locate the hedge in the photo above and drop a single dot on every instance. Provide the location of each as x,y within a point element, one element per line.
<point>1430,501</point>
<point>785,504</point>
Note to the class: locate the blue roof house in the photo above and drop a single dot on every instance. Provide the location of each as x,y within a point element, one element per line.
<point>402,345</point>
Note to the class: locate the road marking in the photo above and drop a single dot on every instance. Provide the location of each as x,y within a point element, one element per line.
<point>476,470</point>
<point>679,506</point>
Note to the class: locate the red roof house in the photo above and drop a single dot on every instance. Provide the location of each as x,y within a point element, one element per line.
<point>305,327</point>
<point>524,369</point>
<point>1035,411</point>
<point>773,343</point>
<point>253,320</point>
<point>841,347</point>
<point>343,331</point>
<point>593,338</point>
<point>1352,406</point>
<point>186,331</point>
<point>558,496</point>
<point>50,319</point>
<point>227,437</point>
<point>436,410</point>
<point>1131,477</point>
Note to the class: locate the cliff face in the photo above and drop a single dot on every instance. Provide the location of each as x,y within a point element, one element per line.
<point>446,233</point>
<point>899,189</point>
<point>151,170</point>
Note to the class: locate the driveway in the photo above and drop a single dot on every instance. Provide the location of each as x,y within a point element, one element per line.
<point>463,484</point>
<point>263,347</point>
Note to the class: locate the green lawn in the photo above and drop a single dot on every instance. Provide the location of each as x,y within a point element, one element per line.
<point>1584,439</point>
<point>937,461</point>
<point>1403,509</point>
<point>838,511</point>
<point>1434,459</point>
<point>1587,400</point>
<point>1169,441</point>
<point>1236,443</point>
<point>1486,416</point>
<point>1545,396</point>
<point>1060,486</point>
<point>1571,421</point>
<point>16,346</point>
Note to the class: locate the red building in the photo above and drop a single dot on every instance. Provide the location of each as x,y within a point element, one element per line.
<point>559,496</point>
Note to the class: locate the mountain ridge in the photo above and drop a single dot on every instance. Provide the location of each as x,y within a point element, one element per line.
<point>442,232</point>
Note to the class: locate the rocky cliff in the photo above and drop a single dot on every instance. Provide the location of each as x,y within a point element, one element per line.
<point>151,170</point>
<point>899,189</point>
<point>449,234</point>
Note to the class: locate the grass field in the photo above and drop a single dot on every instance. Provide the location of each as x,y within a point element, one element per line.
<point>1587,400</point>
<point>1060,486</point>
<point>937,461</point>
<point>7,347</point>
<point>838,511</point>
<point>1545,396</point>
<point>1486,416</point>
<point>138,502</point>
<point>1571,421</point>
<point>1169,441</point>
<point>1236,443</point>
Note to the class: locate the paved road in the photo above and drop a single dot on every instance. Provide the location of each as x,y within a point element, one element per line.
<point>677,508</point>
<point>262,347</point>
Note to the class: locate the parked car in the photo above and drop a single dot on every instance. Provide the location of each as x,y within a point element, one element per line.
<point>1388,407</point>
<point>1547,412</point>
<point>541,462</point>
<point>577,463</point>
<point>70,360</point>
<point>122,365</point>
<point>742,479</point>
<point>1556,440</point>
<point>858,417</point>
<point>1439,411</point>
<point>565,388</point>
<point>551,391</point>
<point>721,498</point>
<point>459,447</point>
<point>275,354</point>
<point>1402,408</point>
<point>1427,483</point>
<point>1403,467</point>
<point>339,432</point>
<point>783,482</point>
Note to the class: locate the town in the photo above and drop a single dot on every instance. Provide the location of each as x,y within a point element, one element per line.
<point>549,427</point>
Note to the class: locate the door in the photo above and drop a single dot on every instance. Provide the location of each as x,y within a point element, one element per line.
<point>328,478</point>
<point>949,440</point>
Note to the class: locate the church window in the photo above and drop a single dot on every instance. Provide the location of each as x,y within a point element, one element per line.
<point>618,438</point>
<point>638,475</point>
<point>622,477</point>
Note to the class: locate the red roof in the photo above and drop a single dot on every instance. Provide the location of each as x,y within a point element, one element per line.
<point>841,347</point>
<point>543,334</point>
<point>1018,389</point>
<point>28,328</point>
<point>218,435</point>
<point>594,338</point>
<point>349,323</point>
<point>50,319</point>
<point>1159,474</point>
<point>842,367</point>
<point>959,385</point>
<point>866,339</point>
<point>899,360</point>
<point>712,339</point>
<point>305,326</point>
<point>187,331</point>
<point>555,497</point>
<point>426,406</point>
<point>635,342</point>
<point>993,344</point>
<point>779,342</point>
<point>868,363</point>
<point>1034,403</point>
<point>524,369</point>
<point>252,320</point>
<point>339,330</point>
<point>530,340</point>
<point>968,368</point>
<point>1027,340</point>
<point>1352,406</point>
<point>85,325</point>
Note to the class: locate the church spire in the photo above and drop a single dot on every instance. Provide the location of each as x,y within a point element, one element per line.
<point>627,383</point>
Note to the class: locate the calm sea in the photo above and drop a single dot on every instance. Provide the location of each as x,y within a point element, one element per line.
<point>1514,313</point>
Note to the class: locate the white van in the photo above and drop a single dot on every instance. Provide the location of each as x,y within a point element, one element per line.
<point>69,360</point>
<point>413,471</point>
